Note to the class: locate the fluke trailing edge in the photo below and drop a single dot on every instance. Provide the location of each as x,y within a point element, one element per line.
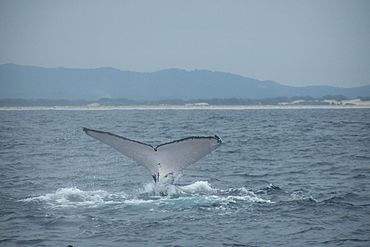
<point>164,159</point>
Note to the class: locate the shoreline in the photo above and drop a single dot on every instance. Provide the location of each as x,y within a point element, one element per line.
<point>179,107</point>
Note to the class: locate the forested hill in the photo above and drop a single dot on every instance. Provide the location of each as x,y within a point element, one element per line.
<point>30,82</point>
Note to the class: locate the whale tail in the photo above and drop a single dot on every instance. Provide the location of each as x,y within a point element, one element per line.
<point>165,159</point>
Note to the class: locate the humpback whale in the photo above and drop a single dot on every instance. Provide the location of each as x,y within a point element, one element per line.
<point>165,159</point>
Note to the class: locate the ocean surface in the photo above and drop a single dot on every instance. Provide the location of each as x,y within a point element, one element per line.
<point>282,177</point>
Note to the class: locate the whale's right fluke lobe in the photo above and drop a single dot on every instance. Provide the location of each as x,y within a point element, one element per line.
<point>175,156</point>
<point>168,158</point>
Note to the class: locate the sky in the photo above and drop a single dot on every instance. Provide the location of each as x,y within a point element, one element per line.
<point>294,42</point>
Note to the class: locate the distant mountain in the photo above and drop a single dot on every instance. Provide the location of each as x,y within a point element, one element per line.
<point>30,82</point>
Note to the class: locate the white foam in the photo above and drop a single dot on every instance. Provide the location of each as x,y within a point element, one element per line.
<point>198,193</point>
<point>170,190</point>
<point>250,198</point>
<point>73,197</point>
<point>160,189</point>
<point>244,195</point>
<point>300,196</point>
<point>198,187</point>
<point>138,201</point>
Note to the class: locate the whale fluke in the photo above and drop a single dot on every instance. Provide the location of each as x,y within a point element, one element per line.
<point>164,159</point>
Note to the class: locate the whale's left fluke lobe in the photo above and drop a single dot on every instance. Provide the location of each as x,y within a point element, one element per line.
<point>164,159</point>
<point>140,152</point>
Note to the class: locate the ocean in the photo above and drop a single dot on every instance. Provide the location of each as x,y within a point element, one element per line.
<point>282,177</point>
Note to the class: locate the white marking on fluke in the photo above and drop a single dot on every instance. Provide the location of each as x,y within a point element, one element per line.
<point>165,159</point>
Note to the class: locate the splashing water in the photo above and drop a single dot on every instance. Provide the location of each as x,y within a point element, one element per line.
<point>198,193</point>
<point>74,197</point>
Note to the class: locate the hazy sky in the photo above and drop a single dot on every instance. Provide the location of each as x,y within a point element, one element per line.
<point>292,42</point>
